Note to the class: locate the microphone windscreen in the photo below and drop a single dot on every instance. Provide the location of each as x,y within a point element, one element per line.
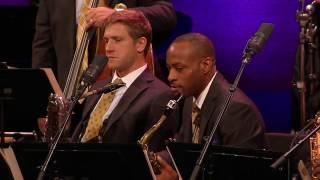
<point>94,69</point>
<point>257,42</point>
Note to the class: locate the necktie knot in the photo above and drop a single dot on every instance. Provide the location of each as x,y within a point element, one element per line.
<point>195,112</point>
<point>195,107</point>
<point>118,81</point>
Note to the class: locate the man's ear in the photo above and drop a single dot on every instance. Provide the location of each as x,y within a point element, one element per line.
<point>207,64</point>
<point>141,44</point>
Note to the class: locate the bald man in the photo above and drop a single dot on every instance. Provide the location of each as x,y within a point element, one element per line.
<point>192,72</point>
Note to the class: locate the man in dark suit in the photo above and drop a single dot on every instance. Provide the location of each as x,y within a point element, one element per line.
<point>192,72</point>
<point>56,25</point>
<point>129,115</point>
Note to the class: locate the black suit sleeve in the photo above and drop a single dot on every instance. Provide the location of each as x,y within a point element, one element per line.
<point>242,126</point>
<point>43,54</point>
<point>161,14</point>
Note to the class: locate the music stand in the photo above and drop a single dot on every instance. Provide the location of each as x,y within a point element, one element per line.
<point>226,162</point>
<point>24,97</point>
<point>84,160</point>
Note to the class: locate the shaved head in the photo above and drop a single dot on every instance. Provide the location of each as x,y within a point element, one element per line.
<point>191,64</point>
<point>199,44</point>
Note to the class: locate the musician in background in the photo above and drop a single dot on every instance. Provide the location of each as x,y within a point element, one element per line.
<point>192,72</point>
<point>54,41</point>
<point>124,116</point>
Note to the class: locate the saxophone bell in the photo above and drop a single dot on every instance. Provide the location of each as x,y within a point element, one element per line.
<point>315,147</point>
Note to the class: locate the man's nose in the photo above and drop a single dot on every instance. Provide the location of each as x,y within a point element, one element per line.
<point>108,46</point>
<point>171,76</point>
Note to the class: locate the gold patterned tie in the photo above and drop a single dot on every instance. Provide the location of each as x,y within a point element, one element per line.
<point>195,124</point>
<point>95,121</point>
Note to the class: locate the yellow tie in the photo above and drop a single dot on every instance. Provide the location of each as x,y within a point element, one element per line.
<point>195,124</point>
<point>95,121</point>
<point>80,32</point>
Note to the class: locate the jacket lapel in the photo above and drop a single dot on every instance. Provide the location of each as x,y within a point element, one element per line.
<point>136,88</point>
<point>209,107</point>
<point>187,118</point>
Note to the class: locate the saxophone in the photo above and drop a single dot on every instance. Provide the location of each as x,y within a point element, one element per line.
<point>315,147</point>
<point>151,157</point>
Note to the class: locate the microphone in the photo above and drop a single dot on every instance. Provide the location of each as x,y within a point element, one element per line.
<point>106,89</point>
<point>91,74</point>
<point>94,69</point>
<point>256,43</point>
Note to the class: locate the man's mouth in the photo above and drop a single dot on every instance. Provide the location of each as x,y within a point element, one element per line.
<point>174,88</point>
<point>111,57</point>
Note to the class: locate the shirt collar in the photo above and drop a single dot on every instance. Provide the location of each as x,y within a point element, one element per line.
<point>131,77</point>
<point>199,101</point>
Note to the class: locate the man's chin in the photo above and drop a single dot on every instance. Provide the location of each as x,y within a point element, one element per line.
<point>112,66</point>
<point>175,91</point>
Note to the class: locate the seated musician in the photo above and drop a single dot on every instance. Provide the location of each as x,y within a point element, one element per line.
<point>192,72</point>
<point>56,35</point>
<point>124,115</point>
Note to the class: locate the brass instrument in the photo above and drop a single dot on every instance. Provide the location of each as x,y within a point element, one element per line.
<point>145,139</point>
<point>315,147</point>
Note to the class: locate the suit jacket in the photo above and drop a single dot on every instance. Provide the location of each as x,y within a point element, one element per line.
<point>136,112</point>
<point>55,37</point>
<point>242,124</point>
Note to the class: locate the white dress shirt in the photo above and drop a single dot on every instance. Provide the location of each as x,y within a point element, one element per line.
<point>200,100</point>
<point>78,7</point>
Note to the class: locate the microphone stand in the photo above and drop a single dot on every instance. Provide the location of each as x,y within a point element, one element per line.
<point>310,37</point>
<point>303,19</point>
<point>57,137</point>
<point>246,59</point>
<point>106,89</point>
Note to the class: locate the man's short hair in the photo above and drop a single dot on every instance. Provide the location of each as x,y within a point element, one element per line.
<point>138,25</point>
<point>199,42</point>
